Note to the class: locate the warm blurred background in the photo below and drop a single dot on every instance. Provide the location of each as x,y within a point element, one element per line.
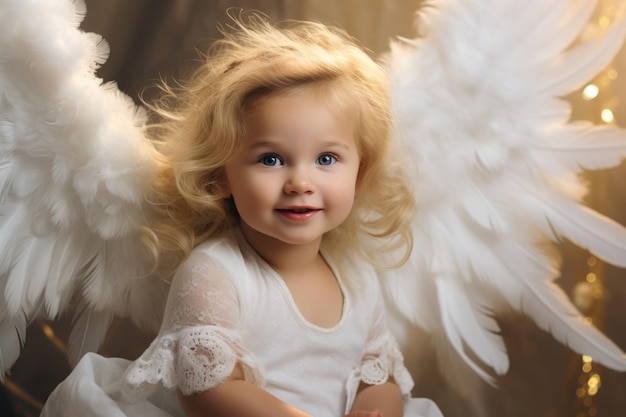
<point>151,39</point>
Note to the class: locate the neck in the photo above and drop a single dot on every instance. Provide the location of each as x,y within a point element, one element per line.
<point>282,256</point>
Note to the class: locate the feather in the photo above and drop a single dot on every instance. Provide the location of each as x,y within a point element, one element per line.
<point>550,308</point>
<point>12,219</point>
<point>565,25</point>
<point>579,147</point>
<point>463,323</point>
<point>590,230</point>
<point>484,210</point>
<point>89,329</point>
<point>74,164</point>
<point>497,161</point>
<point>12,336</point>
<point>584,61</point>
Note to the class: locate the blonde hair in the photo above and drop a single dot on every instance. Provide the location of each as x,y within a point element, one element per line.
<point>204,119</point>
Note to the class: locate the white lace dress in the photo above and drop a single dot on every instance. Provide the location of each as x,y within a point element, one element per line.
<point>226,305</point>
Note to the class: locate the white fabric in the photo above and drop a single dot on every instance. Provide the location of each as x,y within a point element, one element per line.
<point>226,305</point>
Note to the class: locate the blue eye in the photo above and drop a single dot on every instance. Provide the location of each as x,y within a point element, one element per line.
<point>270,160</point>
<point>326,159</point>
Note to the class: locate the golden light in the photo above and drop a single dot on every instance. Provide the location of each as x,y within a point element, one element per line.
<point>589,291</point>
<point>590,92</point>
<point>604,22</point>
<point>607,116</point>
<point>593,384</point>
<point>612,74</point>
<point>594,380</point>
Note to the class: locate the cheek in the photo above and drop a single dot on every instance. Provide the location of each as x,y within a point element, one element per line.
<point>250,189</point>
<point>343,189</point>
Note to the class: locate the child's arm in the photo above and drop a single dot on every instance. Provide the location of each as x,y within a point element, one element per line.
<point>236,397</point>
<point>386,398</point>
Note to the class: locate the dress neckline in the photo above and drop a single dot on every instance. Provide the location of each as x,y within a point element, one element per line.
<point>275,276</point>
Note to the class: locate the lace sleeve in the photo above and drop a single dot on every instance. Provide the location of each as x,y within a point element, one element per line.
<point>382,358</point>
<point>199,344</point>
<point>201,295</point>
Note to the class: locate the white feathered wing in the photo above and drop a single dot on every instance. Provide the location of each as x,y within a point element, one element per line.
<point>478,98</point>
<point>73,164</point>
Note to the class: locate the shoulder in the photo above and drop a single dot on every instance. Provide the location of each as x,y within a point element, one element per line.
<point>218,259</point>
<point>224,251</point>
<point>225,244</point>
<point>227,257</point>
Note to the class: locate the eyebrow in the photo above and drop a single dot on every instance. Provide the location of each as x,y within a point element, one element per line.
<point>329,143</point>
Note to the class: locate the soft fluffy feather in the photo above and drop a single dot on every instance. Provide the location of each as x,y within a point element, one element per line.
<point>478,98</point>
<point>74,164</point>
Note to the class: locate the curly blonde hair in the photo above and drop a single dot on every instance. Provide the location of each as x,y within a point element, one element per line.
<point>204,119</point>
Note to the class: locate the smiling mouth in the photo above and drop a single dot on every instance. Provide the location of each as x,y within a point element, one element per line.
<point>302,210</point>
<point>298,210</point>
<point>298,213</point>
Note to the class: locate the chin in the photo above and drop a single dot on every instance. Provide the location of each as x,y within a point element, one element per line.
<point>299,240</point>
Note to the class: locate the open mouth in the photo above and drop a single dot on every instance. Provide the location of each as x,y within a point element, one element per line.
<point>298,213</point>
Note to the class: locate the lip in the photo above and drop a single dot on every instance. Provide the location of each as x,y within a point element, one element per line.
<point>299,213</point>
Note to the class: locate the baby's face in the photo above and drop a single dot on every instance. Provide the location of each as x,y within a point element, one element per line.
<point>295,177</point>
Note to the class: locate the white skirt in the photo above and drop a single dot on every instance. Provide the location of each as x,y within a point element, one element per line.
<point>84,394</point>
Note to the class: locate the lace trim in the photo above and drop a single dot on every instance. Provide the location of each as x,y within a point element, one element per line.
<point>382,360</point>
<point>194,359</point>
<point>376,371</point>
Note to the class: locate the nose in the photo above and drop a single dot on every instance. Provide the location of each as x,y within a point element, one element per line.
<point>299,181</point>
